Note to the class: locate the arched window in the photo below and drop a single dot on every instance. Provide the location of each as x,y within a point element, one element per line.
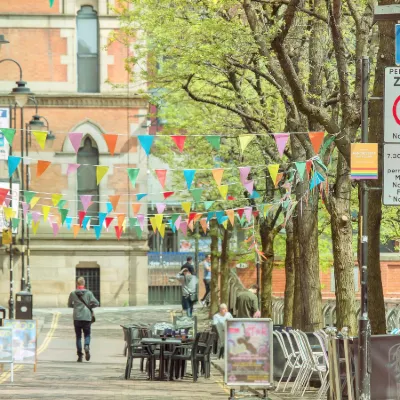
<point>87,184</point>
<point>87,26</point>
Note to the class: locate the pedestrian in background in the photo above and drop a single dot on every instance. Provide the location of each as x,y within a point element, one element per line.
<point>206,277</point>
<point>247,303</point>
<point>82,301</point>
<point>189,290</point>
<point>189,265</point>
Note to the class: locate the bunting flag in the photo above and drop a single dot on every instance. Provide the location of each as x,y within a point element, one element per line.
<point>255,195</point>
<point>108,221</point>
<point>56,228</point>
<point>316,139</point>
<point>3,194</point>
<point>136,208</point>
<point>8,213</point>
<point>281,140</point>
<point>64,213</point>
<point>35,226</point>
<point>208,204</point>
<point>278,178</point>
<point>321,164</point>
<point>231,216</point>
<point>34,201</point>
<point>223,190</point>
<point>248,213</point>
<point>140,218</point>
<point>189,176</point>
<point>68,222</point>
<point>55,198</point>
<point>192,216</point>
<point>178,222</point>
<point>244,141</point>
<point>121,220</point>
<point>158,219</point>
<point>301,168</point>
<point>172,226</point>
<point>273,171</point>
<point>186,205</point>
<point>41,166</point>
<point>132,222</point>
<point>76,228</point>
<point>161,175</point>
<point>7,201</point>
<point>114,200</point>
<point>138,232</point>
<point>40,137</point>
<point>162,230</point>
<point>102,217</point>
<point>196,193</point>
<point>191,225</point>
<point>210,215</point>
<point>167,194</point>
<point>179,141</point>
<point>183,227</point>
<point>160,207</point>
<point>72,168</point>
<point>244,173</point>
<point>81,216</point>
<point>220,215</point>
<point>51,2</point>
<point>86,222</point>
<point>308,166</point>
<point>101,170</point>
<point>174,217</point>
<point>214,140</point>
<point>35,216</point>
<point>326,145</point>
<point>86,200</point>
<point>249,186</point>
<point>217,174</point>
<point>8,134</point>
<point>139,196</point>
<point>146,141</point>
<point>111,140</point>
<point>225,223</point>
<point>13,162</point>
<point>75,138</point>
<point>25,208</point>
<point>153,224</point>
<point>240,212</point>
<point>45,212</point>
<point>97,231</point>
<point>29,195</point>
<point>109,207</point>
<point>203,223</point>
<point>133,174</point>
<point>118,232</point>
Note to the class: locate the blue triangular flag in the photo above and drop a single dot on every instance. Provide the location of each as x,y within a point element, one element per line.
<point>13,162</point>
<point>102,217</point>
<point>223,219</point>
<point>255,195</point>
<point>85,221</point>
<point>172,225</point>
<point>189,175</point>
<point>210,214</point>
<point>219,215</point>
<point>208,204</point>
<point>97,230</point>
<point>68,222</point>
<point>139,196</point>
<point>109,207</point>
<point>146,141</point>
<point>320,177</point>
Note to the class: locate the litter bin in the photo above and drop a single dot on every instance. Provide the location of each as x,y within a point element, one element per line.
<point>2,315</point>
<point>23,305</point>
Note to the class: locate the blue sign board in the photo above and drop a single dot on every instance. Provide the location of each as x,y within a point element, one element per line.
<point>397,45</point>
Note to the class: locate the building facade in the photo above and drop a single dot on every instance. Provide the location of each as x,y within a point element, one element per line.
<point>80,85</point>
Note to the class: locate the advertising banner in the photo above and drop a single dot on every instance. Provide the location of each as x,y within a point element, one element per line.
<point>6,337</point>
<point>364,161</point>
<point>248,352</point>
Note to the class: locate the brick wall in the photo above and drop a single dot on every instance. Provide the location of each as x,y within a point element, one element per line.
<point>30,7</point>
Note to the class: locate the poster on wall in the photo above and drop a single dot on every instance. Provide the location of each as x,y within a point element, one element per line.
<point>248,352</point>
<point>15,202</point>
<point>24,340</point>
<point>6,340</point>
<point>4,123</point>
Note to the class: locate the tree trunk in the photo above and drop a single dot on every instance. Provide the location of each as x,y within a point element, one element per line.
<point>298,306</point>
<point>289,276</point>
<point>343,259</point>
<point>224,295</point>
<point>214,267</point>
<point>376,302</point>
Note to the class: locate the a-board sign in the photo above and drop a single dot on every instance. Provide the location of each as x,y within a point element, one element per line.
<point>391,174</point>
<point>391,121</point>
<point>6,341</point>
<point>248,352</point>
<point>24,340</point>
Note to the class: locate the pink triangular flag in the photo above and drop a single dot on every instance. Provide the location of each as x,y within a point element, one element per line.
<point>281,140</point>
<point>7,201</point>
<point>244,173</point>
<point>183,227</point>
<point>249,186</point>
<point>178,222</point>
<point>25,208</point>
<point>86,200</point>
<point>35,216</point>
<point>75,139</point>
<point>247,213</point>
<point>72,168</point>
<point>160,207</point>
<point>56,228</point>
<point>140,218</point>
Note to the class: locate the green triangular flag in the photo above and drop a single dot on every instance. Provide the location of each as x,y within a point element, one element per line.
<point>29,220</point>
<point>61,204</point>
<point>64,213</point>
<point>29,196</point>
<point>326,145</point>
<point>15,223</point>
<point>196,193</point>
<point>132,222</point>
<point>51,3</point>
<point>208,204</point>
<point>133,174</point>
<point>174,217</point>
<point>321,164</point>
<point>215,141</point>
<point>301,168</point>
<point>8,134</point>
<point>138,231</point>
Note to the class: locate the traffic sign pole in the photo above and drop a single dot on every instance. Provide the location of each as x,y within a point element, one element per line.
<point>397,44</point>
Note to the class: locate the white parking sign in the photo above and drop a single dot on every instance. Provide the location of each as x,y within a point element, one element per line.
<point>392,105</point>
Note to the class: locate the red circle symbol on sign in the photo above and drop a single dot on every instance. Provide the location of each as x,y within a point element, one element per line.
<point>394,110</point>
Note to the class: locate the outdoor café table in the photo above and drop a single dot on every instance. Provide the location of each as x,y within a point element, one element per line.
<point>162,343</point>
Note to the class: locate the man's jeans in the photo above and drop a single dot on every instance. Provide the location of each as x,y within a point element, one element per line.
<point>79,327</point>
<point>187,305</point>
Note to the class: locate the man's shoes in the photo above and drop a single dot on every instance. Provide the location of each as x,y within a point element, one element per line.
<point>87,353</point>
<point>79,359</point>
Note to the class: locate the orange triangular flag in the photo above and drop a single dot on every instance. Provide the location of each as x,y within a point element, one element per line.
<point>76,228</point>
<point>308,166</point>
<point>111,140</point>
<point>121,219</point>
<point>316,139</point>
<point>114,199</point>
<point>136,208</point>
<point>191,225</point>
<point>41,167</point>
<point>231,216</point>
<point>203,223</point>
<point>162,176</point>
<point>217,174</point>
<point>198,216</point>
<point>278,178</point>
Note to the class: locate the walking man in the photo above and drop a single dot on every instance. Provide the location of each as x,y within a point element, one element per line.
<point>206,277</point>
<point>189,265</point>
<point>189,290</point>
<point>247,303</point>
<point>82,301</point>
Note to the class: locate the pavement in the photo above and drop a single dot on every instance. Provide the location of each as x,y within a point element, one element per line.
<point>59,376</point>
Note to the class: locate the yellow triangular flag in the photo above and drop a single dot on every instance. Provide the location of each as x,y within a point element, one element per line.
<point>40,138</point>
<point>159,219</point>
<point>101,170</point>
<point>76,228</point>
<point>266,208</point>
<point>223,190</point>
<point>153,224</point>
<point>34,201</point>
<point>8,212</point>
<point>225,224</point>
<point>244,141</point>
<point>273,171</point>
<point>162,230</point>
<point>55,198</point>
<point>45,211</point>
<point>124,225</point>
<point>231,216</point>
<point>35,226</point>
<point>217,174</point>
<point>186,205</point>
